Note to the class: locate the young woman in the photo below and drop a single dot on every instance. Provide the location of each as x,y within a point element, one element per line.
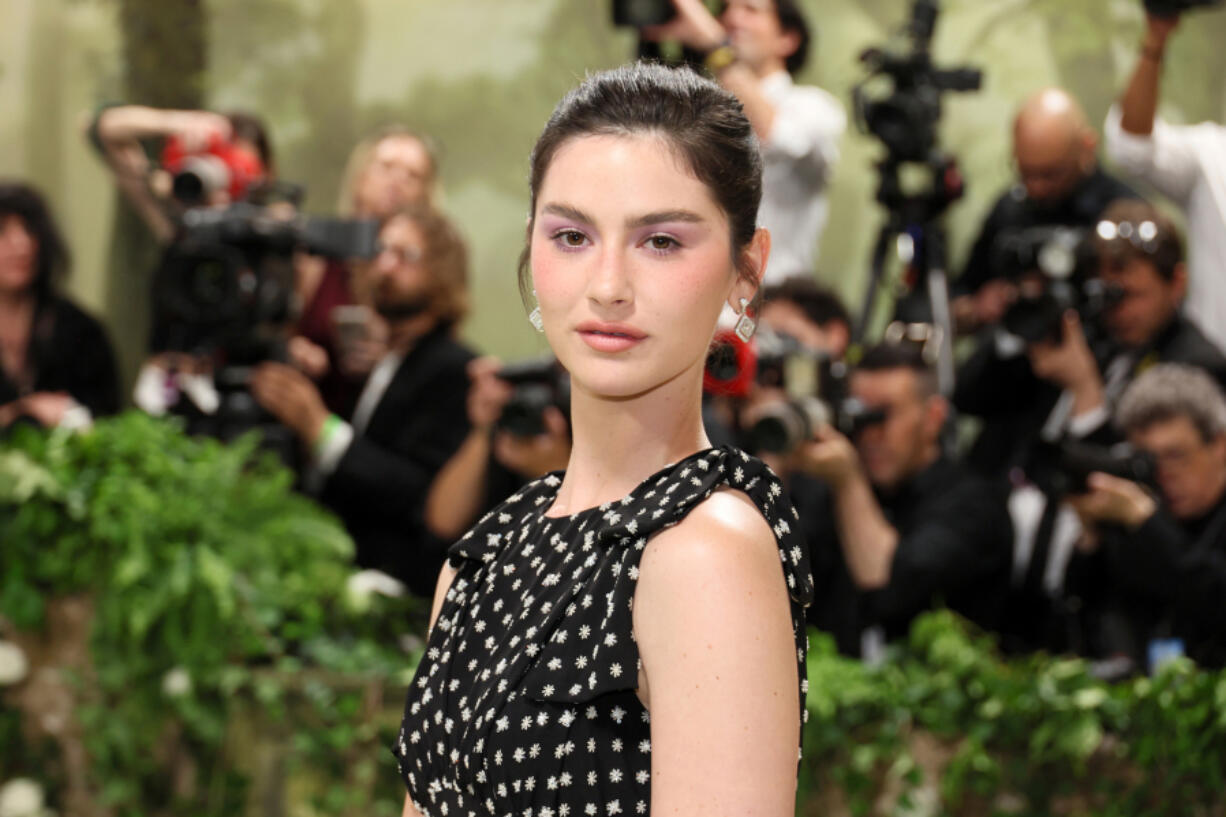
<point>623,638</point>
<point>56,363</point>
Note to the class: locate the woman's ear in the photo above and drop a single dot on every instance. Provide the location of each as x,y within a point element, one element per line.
<point>751,267</point>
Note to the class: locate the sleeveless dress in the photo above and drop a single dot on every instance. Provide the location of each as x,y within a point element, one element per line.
<point>524,701</point>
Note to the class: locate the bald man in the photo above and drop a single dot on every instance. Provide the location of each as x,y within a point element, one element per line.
<point>1059,183</point>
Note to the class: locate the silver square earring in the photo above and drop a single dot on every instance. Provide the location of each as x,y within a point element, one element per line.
<point>534,317</point>
<point>745,325</point>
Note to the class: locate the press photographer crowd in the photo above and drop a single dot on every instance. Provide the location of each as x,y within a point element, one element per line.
<point>1036,441</point>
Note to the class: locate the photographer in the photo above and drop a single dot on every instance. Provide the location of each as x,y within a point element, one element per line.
<point>754,49</point>
<point>811,314</point>
<point>906,526</point>
<point>1186,163</point>
<point>239,140</point>
<point>410,418</point>
<point>1059,183</point>
<point>1158,565</point>
<point>1060,384</point>
<point>56,363</point>
<point>493,461</point>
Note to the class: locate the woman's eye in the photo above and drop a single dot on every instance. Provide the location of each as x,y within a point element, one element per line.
<point>662,242</point>
<point>570,238</point>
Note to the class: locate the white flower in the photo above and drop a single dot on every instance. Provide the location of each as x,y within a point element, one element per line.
<point>13,664</point>
<point>21,797</point>
<point>176,683</point>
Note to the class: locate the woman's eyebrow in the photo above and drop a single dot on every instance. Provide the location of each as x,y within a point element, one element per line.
<point>567,211</point>
<point>662,216</point>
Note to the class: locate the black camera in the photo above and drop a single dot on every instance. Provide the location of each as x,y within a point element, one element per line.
<point>1062,468</point>
<point>224,291</point>
<point>817,393</point>
<point>1173,8</point>
<point>537,385</point>
<point>226,286</point>
<point>906,120</point>
<point>639,13</point>
<point>1055,270</point>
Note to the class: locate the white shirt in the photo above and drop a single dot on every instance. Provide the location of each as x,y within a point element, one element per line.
<point>1186,163</point>
<point>797,158</point>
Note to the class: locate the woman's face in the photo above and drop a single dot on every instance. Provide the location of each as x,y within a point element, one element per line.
<point>632,262</point>
<point>398,174</point>
<point>18,255</point>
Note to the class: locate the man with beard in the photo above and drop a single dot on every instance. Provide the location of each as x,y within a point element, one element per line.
<point>1059,184</point>
<point>410,418</point>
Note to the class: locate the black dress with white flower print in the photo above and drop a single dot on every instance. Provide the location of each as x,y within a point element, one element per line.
<point>524,703</point>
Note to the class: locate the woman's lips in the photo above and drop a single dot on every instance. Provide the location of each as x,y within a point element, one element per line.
<point>610,337</point>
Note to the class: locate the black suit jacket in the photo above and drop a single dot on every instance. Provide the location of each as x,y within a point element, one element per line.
<point>379,486</point>
<point>69,351</point>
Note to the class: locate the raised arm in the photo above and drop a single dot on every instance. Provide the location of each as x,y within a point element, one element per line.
<point>1140,100</point>
<point>714,632</point>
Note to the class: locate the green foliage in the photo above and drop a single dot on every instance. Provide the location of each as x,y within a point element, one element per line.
<point>1042,731</point>
<point>212,583</point>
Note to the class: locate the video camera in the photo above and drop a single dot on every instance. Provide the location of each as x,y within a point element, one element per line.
<point>1062,468</point>
<point>226,286</point>
<point>906,120</point>
<point>1055,269</point>
<point>537,385</point>
<point>221,165</point>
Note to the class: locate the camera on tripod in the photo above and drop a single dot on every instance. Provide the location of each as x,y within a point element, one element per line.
<point>536,386</point>
<point>906,120</point>
<point>1054,269</point>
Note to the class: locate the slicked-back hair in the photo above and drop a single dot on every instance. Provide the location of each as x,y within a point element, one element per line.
<point>910,356</point>
<point>700,121</point>
<point>1170,390</point>
<point>52,259</point>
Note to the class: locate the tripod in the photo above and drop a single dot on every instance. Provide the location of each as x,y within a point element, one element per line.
<point>912,225</point>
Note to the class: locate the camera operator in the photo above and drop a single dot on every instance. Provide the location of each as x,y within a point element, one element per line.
<point>1185,163</point>
<point>493,461</point>
<point>1158,564</point>
<point>1059,183</point>
<point>56,363</point>
<point>906,526</point>
<point>753,49</point>
<point>410,418</point>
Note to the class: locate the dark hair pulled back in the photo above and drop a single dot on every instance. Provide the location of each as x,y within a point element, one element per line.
<point>699,120</point>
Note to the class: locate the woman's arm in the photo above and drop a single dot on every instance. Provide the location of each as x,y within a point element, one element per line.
<point>440,593</point>
<point>713,626</point>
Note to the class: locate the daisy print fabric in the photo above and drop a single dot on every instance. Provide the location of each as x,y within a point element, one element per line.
<point>524,703</point>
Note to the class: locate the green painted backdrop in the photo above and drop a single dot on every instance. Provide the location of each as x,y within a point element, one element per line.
<point>482,75</point>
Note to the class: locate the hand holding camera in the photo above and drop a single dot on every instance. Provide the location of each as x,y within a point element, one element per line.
<point>1069,363</point>
<point>830,457</point>
<point>488,394</point>
<point>1113,500</point>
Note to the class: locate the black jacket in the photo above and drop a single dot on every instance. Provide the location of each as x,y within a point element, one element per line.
<point>1166,579</point>
<point>379,486</point>
<point>69,351</point>
<point>953,548</point>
